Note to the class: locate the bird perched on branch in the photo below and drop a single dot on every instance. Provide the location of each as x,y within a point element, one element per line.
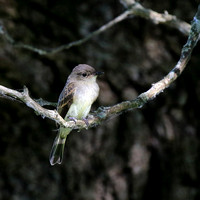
<point>75,101</point>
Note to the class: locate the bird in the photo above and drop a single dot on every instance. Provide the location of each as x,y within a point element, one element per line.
<point>74,102</point>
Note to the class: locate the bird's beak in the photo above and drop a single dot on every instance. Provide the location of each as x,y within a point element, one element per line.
<point>99,73</point>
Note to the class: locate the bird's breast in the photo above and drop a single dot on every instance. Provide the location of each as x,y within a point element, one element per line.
<point>86,92</point>
<point>83,98</point>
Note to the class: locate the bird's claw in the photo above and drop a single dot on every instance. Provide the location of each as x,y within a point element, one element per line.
<point>86,122</point>
<point>75,120</point>
<point>72,119</point>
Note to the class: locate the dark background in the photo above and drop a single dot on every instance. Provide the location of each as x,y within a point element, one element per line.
<point>149,153</point>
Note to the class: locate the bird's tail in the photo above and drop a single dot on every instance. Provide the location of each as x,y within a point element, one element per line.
<point>56,155</point>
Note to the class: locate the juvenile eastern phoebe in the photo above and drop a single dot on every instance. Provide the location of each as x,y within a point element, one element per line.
<point>75,101</point>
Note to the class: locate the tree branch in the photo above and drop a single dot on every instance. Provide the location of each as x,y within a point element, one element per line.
<point>133,9</point>
<point>104,113</point>
<point>39,110</point>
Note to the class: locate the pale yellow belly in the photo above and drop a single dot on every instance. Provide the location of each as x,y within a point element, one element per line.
<point>79,110</point>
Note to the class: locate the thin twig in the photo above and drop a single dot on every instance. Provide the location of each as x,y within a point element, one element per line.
<point>42,102</point>
<point>134,9</point>
<point>104,113</point>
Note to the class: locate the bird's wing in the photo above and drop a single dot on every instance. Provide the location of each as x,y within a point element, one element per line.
<point>65,99</point>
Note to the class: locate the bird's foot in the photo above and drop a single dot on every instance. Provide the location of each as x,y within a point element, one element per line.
<point>72,119</point>
<point>86,122</point>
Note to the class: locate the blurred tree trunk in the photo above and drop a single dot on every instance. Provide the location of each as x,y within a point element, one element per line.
<point>151,153</point>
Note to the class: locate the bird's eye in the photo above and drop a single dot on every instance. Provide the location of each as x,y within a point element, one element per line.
<point>84,74</point>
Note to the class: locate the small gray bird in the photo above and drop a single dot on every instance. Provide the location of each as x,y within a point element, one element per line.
<point>75,101</point>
